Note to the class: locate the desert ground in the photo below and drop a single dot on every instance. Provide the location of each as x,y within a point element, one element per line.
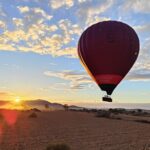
<point>79,130</point>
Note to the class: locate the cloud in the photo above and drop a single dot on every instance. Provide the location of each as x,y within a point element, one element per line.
<point>33,16</point>
<point>3,14</point>
<point>3,93</point>
<point>23,9</point>
<point>143,60</point>
<point>4,18</point>
<point>77,80</point>
<point>82,1</point>
<point>141,69</point>
<point>40,38</point>
<point>142,28</point>
<point>2,25</point>
<point>6,95</point>
<point>55,4</point>
<point>70,52</point>
<point>138,6</point>
<point>18,22</point>
<point>139,75</point>
<point>33,33</point>
<point>89,12</point>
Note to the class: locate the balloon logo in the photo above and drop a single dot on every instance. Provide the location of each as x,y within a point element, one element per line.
<point>107,51</point>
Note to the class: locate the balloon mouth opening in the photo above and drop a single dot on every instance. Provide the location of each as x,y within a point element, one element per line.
<point>107,87</point>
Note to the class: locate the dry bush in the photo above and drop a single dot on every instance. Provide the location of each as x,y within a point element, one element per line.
<point>33,115</point>
<point>116,118</point>
<point>58,147</point>
<point>103,113</point>
<point>143,121</point>
<point>117,111</point>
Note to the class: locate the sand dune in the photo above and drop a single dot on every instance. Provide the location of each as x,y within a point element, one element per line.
<point>80,130</point>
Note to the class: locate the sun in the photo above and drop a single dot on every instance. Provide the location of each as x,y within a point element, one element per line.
<point>17,100</point>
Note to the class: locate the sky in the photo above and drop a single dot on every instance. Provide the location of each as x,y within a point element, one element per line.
<point>38,49</point>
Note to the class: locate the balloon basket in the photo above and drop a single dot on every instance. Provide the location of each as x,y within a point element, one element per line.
<point>107,99</point>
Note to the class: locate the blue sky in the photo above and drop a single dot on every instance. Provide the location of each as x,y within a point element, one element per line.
<point>38,49</point>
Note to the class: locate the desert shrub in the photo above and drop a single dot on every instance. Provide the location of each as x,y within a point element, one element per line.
<point>116,118</point>
<point>86,110</point>
<point>58,147</point>
<point>139,110</point>
<point>146,147</point>
<point>93,110</point>
<point>143,121</point>
<point>117,111</point>
<point>33,115</point>
<point>132,112</point>
<point>103,113</point>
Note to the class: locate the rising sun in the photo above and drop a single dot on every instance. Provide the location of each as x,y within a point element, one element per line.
<point>17,100</point>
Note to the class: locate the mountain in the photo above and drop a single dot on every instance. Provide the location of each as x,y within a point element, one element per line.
<point>43,105</point>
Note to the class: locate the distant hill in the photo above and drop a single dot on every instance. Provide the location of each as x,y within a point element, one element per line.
<point>29,104</point>
<point>73,107</point>
<point>36,102</point>
<point>43,105</point>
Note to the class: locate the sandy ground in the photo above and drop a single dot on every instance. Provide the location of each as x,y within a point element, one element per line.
<point>81,131</point>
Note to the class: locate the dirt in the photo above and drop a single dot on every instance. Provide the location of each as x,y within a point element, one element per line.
<point>79,130</point>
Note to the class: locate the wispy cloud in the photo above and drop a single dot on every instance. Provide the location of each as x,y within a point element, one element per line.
<point>6,95</point>
<point>138,6</point>
<point>142,28</point>
<point>77,80</point>
<point>139,75</point>
<point>92,11</point>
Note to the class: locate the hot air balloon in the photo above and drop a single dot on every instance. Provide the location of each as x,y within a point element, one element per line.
<point>107,51</point>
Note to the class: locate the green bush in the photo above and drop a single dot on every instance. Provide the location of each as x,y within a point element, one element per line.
<point>58,147</point>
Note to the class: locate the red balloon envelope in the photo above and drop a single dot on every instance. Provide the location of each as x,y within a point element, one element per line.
<point>108,50</point>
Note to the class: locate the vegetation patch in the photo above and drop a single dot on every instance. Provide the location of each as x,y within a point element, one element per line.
<point>33,115</point>
<point>58,147</point>
<point>143,121</point>
<point>104,114</point>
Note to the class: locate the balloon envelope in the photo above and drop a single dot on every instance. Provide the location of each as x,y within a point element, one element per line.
<point>108,50</point>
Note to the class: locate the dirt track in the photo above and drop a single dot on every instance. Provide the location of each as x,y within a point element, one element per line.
<point>81,131</point>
